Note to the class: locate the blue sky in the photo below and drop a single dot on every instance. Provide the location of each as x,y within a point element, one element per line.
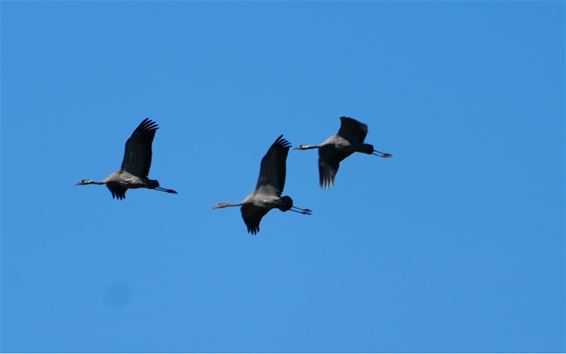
<point>456,244</point>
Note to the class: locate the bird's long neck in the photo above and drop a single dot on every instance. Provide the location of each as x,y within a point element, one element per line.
<point>227,205</point>
<point>307,147</point>
<point>84,182</point>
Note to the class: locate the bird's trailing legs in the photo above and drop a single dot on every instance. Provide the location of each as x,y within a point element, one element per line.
<point>165,190</point>
<point>301,210</point>
<point>381,154</point>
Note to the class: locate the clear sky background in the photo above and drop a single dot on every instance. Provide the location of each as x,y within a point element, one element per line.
<point>455,244</point>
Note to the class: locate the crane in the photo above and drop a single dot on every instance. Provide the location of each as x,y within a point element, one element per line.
<point>135,165</point>
<point>267,194</point>
<point>349,139</point>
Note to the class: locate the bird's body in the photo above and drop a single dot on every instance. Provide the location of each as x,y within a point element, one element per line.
<point>135,165</point>
<point>265,201</point>
<point>119,182</point>
<point>349,139</point>
<point>269,187</point>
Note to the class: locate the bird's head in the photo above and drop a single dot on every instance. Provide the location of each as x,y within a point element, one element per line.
<point>83,182</point>
<point>221,205</point>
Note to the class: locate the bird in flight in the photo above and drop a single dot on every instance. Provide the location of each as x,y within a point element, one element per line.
<point>135,165</point>
<point>349,139</point>
<point>267,193</point>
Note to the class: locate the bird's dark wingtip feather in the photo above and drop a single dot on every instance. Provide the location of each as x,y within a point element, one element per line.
<point>326,183</point>
<point>148,124</point>
<point>253,230</point>
<point>281,141</point>
<point>327,173</point>
<point>118,196</point>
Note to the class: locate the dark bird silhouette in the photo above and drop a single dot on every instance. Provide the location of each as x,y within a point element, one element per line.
<point>267,194</point>
<point>135,165</point>
<point>349,139</point>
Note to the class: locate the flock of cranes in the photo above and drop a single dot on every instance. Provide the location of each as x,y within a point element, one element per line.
<point>267,194</point>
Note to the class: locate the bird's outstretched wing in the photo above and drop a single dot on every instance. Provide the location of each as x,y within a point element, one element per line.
<point>137,154</point>
<point>117,190</point>
<point>328,163</point>
<point>252,216</point>
<point>352,130</point>
<point>273,168</point>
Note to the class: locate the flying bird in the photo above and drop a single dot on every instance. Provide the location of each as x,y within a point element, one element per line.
<point>349,139</point>
<point>135,165</point>
<point>267,194</point>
